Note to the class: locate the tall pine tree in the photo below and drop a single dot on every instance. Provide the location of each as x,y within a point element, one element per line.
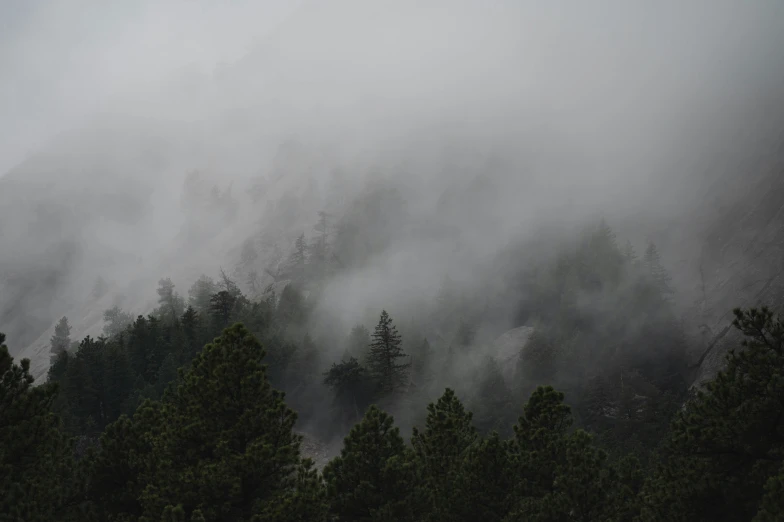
<point>386,355</point>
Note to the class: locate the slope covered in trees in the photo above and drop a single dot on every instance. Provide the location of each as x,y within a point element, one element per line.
<point>219,445</point>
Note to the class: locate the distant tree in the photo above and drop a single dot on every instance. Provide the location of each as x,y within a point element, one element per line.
<point>357,343</point>
<point>290,308</point>
<point>221,307</point>
<point>61,340</point>
<point>385,352</point>
<point>171,304</point>
<point>465,334</point>
<point>492,399</point>
<point>227,284</point>
<point>295,264</point>
<point>193,331</point>
<point>422,365</point>
<point>349,381</point>
<point>200,293</point>
<point>628,252</point>
<point>117,320</point>
<point>655,270</point>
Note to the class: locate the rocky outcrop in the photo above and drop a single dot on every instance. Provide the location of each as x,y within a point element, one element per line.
<point>507,349</point>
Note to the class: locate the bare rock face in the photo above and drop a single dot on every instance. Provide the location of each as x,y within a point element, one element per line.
<point>508,348</point>
<point>316,450</point>
<point>739,261</point>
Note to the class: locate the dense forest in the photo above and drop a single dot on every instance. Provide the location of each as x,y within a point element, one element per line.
<point>193,412</point>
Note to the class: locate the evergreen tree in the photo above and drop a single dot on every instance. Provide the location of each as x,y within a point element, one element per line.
<point>422,366</point>
<point>492,400</point>
<point>221,307</point>
<point>385,351</point>
<point>726,445</point>
<point>200,293</point>
<point>290,310</point>
<point>117,320</point>
<point>357,344</point>
<point>171,304</point>
<point>61,340</point>
<point>227,445</point>
<point>295,265</point>
<point>656,271</point>
<point>349,382</point>
<point>37,480</point>
<point>371,478</point>
<point>439,452</point>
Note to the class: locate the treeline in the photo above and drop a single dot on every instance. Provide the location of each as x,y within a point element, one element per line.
<point>219,445</point>
<point>604,333</point>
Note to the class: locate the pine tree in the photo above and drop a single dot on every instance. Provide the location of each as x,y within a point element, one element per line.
<point>36,467</point>
<point>357,344</point>
<point>61,340</point>
<point>117,320</point>
<point>492,400</point>
<point>385,351</point>
<point>221,307</point>
<point>439,452</point>
<point>371,478</point>
<point>171,304</point>
<point>727,443</point>
<point>295,265</point>
<point>349,382</point>
<point>652,262</point>
<point>200,293</point>
<point>422,366</point>
<point>227,446</point>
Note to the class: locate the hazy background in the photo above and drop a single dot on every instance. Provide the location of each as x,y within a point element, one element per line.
<point>492,118</point>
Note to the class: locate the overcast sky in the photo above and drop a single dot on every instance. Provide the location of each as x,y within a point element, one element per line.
<point>63,60</point>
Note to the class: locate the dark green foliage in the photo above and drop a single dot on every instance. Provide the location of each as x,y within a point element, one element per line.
<point>383,357</point>
<point>221,307</point>
<point>351,385</point>
<point>440,450</point>
<point>38,479</point>
<point>371,479</point>
<point>727,445</point>
<point>492,400</point>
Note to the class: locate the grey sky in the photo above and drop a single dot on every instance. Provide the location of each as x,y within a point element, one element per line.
<point>63,60</point>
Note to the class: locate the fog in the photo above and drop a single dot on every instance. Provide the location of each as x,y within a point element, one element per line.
<point>492,122</point>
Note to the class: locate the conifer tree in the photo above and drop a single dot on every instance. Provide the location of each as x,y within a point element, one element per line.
<point>200,293</point>
<point>439,452</point>
<point>370,479</point>
<point>116,321</point>
<point>357,343</point>
<point>295,265</point>
<point>348,380</point>
<point>385,353</point>
<point>227,445</point>
<point>652,262</point>
<point>221,307</point>
<point>171,304</point>
<point>36,467</point>
<point>726,445</point>
<point>61,340</point>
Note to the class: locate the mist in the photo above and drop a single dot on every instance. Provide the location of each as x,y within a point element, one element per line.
<point>490,133</point>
